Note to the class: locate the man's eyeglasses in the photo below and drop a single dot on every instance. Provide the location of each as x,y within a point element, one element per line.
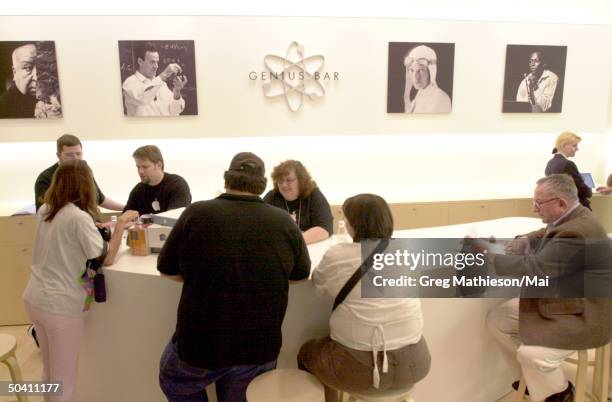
<point>538,204</point>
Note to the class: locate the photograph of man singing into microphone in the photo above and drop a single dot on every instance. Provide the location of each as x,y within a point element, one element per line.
<point>534,78</point>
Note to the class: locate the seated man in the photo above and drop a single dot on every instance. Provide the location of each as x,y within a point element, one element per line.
<point>157,191</point>
<point>551,329</point>
<point>69,148</point>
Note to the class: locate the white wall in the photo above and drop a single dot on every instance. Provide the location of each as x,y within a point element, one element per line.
<point>347,140</point>
<point>557,11</point>
<point>231,105</point>
<point>410,167</point>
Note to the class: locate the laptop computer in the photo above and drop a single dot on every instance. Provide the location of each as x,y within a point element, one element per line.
<point>588,179</point>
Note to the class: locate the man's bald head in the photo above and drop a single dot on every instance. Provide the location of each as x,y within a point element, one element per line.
<point>24,69</point>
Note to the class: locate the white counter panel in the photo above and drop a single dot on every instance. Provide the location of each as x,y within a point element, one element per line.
<point>124,337</point>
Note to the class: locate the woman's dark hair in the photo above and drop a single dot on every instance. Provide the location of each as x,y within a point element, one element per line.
<point>72,182</point>
<point>305,182</point>
<point>369,216</point>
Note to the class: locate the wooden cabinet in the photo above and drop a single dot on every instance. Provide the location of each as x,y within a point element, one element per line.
<point>17,230</point>
<point>602,208</point>
<point>472,211</point>
<point>16,239</point>
<point>419,215</point>
<point>467,211</point>
<point>524,207</point>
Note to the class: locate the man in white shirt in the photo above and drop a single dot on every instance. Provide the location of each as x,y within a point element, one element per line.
<point>146,94</point>
<point>538,87</point>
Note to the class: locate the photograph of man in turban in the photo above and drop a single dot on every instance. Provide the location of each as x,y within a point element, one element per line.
<point>422,84</point>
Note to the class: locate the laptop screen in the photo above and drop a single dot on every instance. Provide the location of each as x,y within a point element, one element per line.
<point>588,179</point>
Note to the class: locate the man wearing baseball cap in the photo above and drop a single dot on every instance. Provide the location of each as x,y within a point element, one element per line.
<point>235,255</point>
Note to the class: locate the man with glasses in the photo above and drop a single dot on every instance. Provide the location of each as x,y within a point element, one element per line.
<point>69,149</point>
<point>553,327</point>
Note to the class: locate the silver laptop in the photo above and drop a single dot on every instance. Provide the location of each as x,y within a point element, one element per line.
<point>588,179</point>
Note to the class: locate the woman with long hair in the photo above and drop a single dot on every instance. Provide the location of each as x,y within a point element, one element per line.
<point>59,292</point>
<point>375,344</point>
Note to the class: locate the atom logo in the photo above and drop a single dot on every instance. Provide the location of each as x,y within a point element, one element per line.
<point>294,76</point>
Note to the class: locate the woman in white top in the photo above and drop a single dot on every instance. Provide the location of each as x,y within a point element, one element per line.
<point>60,290</point>
<point>375,344</point>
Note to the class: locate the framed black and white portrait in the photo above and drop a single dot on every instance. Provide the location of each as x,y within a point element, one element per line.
<point>534,78</point>
<point>29,81</point>
<point>158,78</point>
<point>420,78</point>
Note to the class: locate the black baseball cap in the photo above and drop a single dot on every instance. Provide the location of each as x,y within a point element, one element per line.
<point>247,162</point>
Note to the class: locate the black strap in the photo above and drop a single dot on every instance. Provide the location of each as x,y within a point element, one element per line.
<point>359,273</point>
<point>97,262</point>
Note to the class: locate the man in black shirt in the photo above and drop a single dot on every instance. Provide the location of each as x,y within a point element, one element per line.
<point>235,255</point>
<point>69,148</point>
<point>157,191</point>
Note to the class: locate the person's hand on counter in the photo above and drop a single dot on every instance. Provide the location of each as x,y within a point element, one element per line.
<point>127,219</point>
<point>520,245</point>
<point>604,190</point>
<point>124,221</point>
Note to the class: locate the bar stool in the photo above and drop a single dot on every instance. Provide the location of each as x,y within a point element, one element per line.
<point>600,376</point>
<point>8,344</point>
<point>285,385</point>
<point>395,395</point>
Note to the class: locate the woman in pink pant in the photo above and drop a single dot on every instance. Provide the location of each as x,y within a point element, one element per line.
<point>60,291</point>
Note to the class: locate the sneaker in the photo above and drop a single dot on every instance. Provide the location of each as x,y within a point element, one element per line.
<point>32,332</point>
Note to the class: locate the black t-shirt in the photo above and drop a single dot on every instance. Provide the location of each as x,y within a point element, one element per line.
<point>309,212</point>
<point>236,255</point>
<point>43,182</point>
<point>171,193</point>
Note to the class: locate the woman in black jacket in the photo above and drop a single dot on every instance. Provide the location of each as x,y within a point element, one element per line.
<point>566,147</point>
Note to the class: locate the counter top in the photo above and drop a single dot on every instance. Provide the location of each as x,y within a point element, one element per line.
<point>502,228</point>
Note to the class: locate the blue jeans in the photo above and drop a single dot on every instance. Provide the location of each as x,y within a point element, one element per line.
<point>181,382</point>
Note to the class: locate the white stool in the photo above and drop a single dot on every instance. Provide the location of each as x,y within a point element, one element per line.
<point>8,344</point>
<point>285,385</point>
<point>600,376</point>
<point>395,395</point>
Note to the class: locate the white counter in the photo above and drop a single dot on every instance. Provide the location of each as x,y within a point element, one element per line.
<point>125,336</point>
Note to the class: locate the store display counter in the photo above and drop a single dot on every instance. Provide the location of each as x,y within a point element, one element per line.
<point>125,336</point>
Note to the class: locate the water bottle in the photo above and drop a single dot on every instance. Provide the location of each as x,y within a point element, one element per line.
<point>113,223</point>
<point>343,236</point>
